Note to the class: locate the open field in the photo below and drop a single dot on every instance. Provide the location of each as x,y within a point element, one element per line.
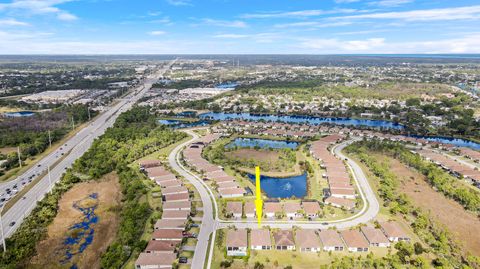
<point>273,163</point>
<point>51,250</point>
<point>462,224</point>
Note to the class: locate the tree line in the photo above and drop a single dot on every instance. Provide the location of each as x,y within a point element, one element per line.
<point>134,135</point>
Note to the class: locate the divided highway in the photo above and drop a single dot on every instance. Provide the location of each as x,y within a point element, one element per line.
<point>72,150</point>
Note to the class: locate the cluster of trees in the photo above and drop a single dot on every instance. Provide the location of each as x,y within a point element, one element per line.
<point>447,253</point>
<point>134,135</point>
<point>437,177</point>
<point>31,133</point>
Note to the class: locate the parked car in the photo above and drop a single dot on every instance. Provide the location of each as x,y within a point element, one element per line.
<point>183,260</point>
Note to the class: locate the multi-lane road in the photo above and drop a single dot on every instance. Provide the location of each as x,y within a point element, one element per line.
<point>72,150</point>
<point>211,222</point>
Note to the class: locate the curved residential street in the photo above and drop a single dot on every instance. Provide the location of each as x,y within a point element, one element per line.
<point>210,223</point>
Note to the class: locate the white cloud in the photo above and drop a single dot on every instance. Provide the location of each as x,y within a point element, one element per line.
<point>466,44</point>
<point>179,2</point>
<point>391,3</point>
<point>296,14</point>
<point>312,24</point>
<point>39,7</point>
<point>157,33</point>
<point>65,16</point>
<point>13,22</point>
<point>340,45</point>
<point>258,38</point>
<point>439,14</point>
<point>233,24</point>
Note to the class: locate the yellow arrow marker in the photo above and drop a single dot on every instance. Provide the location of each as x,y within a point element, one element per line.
<point>258,199</point>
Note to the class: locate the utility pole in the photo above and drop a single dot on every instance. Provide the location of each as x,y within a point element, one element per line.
<point>73,124</point>
<point>88,110</point>
<point>49,138</point>
<point>49,177</point>
<point>19,157</point>
<point>3,235</point>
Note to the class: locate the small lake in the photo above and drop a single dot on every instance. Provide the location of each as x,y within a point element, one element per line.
<point>283,187</point>
<point>18,114</point>
<point>458,142</point>
<point>302,119</point>
<point>178,124</point>
<point>261,143</point>
<point>227,85</point>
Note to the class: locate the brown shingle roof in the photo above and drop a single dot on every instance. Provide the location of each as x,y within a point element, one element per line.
<point>163,246</point>
<point>272,207</point>
<point>307,239</point>
<point>260,238</point>
<point>393,229</point>
<point>311,207</point>
<point>237,238</point>
<point>167,234</point>
<point>170,224</point>
<point>292,207</point>
<point>283,238</point>
<point>374,235</point>
<point>330,238</point>
<point>234,207</point>
<point>354,238</point>
<point>156,259</point>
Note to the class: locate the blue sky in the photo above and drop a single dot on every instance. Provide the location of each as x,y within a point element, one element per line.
<point>243,26</point>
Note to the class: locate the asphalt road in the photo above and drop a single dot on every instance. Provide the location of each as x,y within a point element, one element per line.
<point>75,148</point>
<point>208,225</point>
<point>211,223</point>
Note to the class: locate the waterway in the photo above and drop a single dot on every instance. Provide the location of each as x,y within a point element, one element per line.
<point>261,143</point>
<point>336,121</point>
<point>301,119</point>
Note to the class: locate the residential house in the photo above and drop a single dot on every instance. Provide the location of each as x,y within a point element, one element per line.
<point>250,210</point>
<point>161,246</point>
<point>234,209</point>
<point>394,232</point>
<point>331,240</point>
<point>155,260</point>
<point>176,214</point>
<point>375,237</point>
<point>272,209</point>
<point>167,235</point>
<point>260,239</point>
<point>307,240</point>
<point>178,224</point>
<point>237,242</point>
<point>284,240</point>
<point>355,241</point>
<point>312,209</point>
<point>293,210</point>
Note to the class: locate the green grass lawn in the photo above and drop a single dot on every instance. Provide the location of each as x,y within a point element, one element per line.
<point>281,259</point>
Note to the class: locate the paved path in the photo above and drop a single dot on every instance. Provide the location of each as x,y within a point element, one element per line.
<point>208,225</point>
<point>211,223</point>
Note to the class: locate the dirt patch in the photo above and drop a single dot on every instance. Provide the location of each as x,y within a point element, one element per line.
<point>51,251</point>
<point>252,154</point>
<point>7,150</point>
<point>462,224</point>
